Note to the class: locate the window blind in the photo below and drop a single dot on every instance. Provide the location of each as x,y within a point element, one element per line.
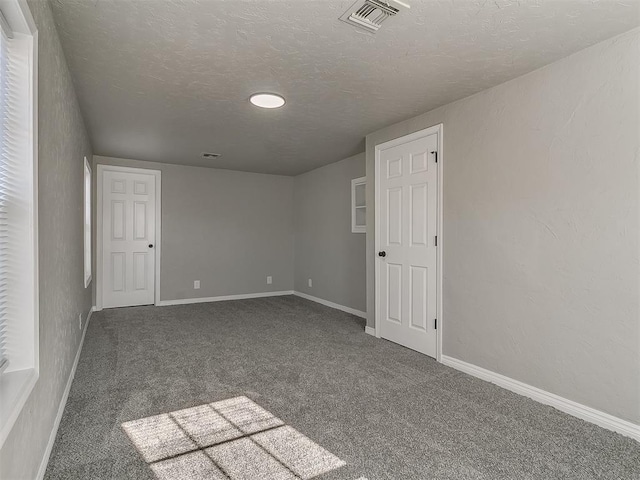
<point>87,223</point>
<point>18,210</point>
<point>11,204</point>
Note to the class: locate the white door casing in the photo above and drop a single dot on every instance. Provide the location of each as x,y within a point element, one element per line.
<point>128,236</point>
<point>408,276</point>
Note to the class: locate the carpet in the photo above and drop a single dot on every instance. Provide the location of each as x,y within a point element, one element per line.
<point>282,387</point>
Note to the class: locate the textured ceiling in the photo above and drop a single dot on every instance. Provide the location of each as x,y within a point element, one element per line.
<point>167,80</point>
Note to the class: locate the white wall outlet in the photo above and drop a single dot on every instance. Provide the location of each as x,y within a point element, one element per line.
<point>269,280</point>
<point>196,284</point>
<point>310,283</point>
<point>80,321</point>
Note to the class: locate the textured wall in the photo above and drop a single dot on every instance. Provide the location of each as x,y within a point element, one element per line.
<point>325,249</point>
<point>227,229</point>
<point>541,226</point>
<point>62,144</point>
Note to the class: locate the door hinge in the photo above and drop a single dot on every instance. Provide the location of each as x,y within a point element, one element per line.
<point>435,323</point>
<point>435,154</point>
<point>436,240</point>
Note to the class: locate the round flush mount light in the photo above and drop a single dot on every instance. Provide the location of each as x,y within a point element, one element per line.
<point>267,100</point>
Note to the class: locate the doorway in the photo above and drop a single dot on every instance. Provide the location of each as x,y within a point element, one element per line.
<point>128,253</point>
<point>408,226</point>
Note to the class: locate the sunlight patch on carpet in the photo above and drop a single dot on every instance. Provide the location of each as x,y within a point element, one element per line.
<point>194,465</point>
<point>158,437</point>
<point>232,439</point>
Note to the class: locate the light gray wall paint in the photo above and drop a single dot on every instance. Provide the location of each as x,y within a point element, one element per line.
<point>227,229</point>
<point>325,249</point>
<point>541,226</point>
<point>63,143</point>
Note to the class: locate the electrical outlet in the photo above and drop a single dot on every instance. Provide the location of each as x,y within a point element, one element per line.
<point>269,280</point>
<point>196,284</point>
<point>80,321</point>
<point>310,283</point>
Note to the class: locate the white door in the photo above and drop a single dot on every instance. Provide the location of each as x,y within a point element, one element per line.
<point>407,212</point>
<point>128,238</point>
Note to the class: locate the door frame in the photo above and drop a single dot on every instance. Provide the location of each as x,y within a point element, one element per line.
<point>99,226</point>
<point>437,129</point>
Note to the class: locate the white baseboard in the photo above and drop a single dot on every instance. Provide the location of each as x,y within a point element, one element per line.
<point>327,303</point>
<point>370,331</point>
<point>576,409</point>
<point>63,402</point>
<point>186,301</point>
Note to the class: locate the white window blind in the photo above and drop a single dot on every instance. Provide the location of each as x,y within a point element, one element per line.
<point>87,223</point>
<point>18,211</point>
<point>7,193</point>
<point>17,221</point>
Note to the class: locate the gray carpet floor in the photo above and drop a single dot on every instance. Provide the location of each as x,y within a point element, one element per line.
<point>375,409</point>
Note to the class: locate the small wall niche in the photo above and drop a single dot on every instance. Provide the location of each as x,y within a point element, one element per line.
<point>358,205</point>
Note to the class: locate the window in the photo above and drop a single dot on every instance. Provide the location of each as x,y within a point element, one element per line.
<point>18,211</point>
<point>87,223</point>
<point>358,205</point>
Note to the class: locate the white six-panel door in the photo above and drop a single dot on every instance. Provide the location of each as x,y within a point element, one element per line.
<point>128,238</point>
<point>407,220</point>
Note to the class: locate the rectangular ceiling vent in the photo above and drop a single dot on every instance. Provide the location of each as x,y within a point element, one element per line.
<point>371,14</point>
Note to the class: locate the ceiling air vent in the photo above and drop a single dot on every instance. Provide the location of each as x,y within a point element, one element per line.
<point>371,14</point>
<point>210,155</point>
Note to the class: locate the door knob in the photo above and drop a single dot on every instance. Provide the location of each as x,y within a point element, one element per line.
<point>151,245</point>
<point>382,254</point>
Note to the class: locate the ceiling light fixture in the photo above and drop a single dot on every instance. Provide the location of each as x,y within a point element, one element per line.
<point>267,100</point>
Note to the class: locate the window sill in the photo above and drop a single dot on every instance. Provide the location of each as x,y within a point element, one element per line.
<point>15,388</point>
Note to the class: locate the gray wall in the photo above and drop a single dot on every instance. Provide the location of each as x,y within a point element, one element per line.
<point>62,144</point>
<point>541,226</point>
<point>227,229</point>
<point>325,249</point>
